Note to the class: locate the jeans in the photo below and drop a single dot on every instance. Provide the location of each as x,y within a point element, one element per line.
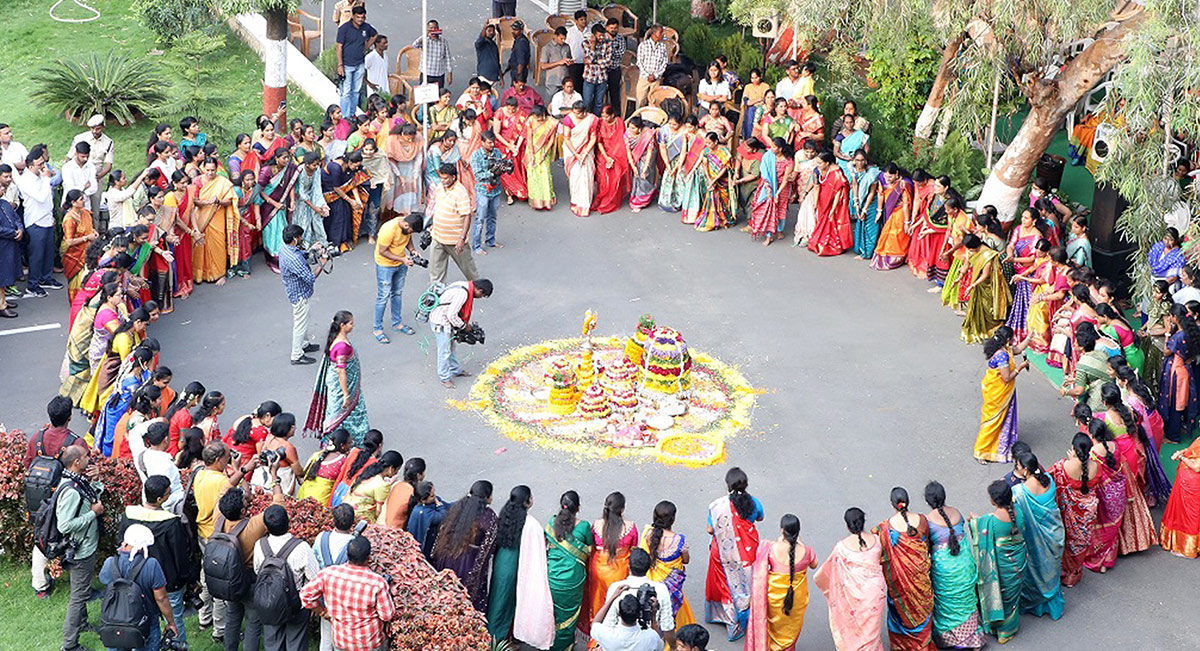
<point>178,603</point>
<point>299,327</point>
<point>237,614</point>
<point>447,363</point>
<point>483,230</point>
<point>389,286</point>
<point>153,637</point>
<point>593,96</point>
<point>41,254</point>
<point>82,571</point>
<point>374,195</point>
<point>351,84</point>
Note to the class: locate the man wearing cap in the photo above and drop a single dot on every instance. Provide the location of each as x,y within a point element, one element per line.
<point>134,551</point>
<point>101,157</point>
<point>519,57</point>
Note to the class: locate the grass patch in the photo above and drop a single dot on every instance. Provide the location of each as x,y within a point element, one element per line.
<point>33,40</point>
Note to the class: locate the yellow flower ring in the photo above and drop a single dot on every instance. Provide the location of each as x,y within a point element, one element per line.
<point>511,394</point>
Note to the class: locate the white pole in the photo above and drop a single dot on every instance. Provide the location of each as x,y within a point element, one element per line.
<point>425,114</point>
<point>322,21</point>
<point>991,144</point>
<point>654,13</point>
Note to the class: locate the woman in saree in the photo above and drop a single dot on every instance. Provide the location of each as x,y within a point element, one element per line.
<point>672,144</point>
<point>906,565</point>
<point>568,545</point>
<point>768,208</point>
<point>776,123</point>
<point>1041,524</point>
<point>895,198</point>
<point>133,375</point>
<point>403,148</point>
<point>731,554</point>
<point>612,163</point>
<point>851,139</point>
<point>832,234</point>
<point>77,234</point>
<point>541,132</point>
<point>1000,554</point>
<point>181,200</point>
<point>311,208</point>
<point>715,207</point>
<point>1079,247</point>
<point>520,537</point>
<point>1137,526</point>
<point>1181,519</point>
<point>243,157</point>
<point>612,538</point>
<point>1177,396</point>
<point>241,238</point>
<point>579,157</point>
<point>953,575</point>
<point>1051,285</point>
<point>983,290</point>
<point>88,339</point>
<point>509,126</point>
<point>757,97</point>
<point>1166,258</point>
<point>1137,396</point>
<point>929,227</point>
<point>337,398</point>
<point>305,143</point>
<point>864,207</point>
<point>1078,503</point>
<point>276,178</point>
<point>807,177</point>
<point>470,128</point>
<point>669,555</point>
<point>714,121</point>
<point>810,124</point>
<point>953,261</point>
<point>691,174</point>
<point>216,212</point>
<point>1027,246</point>
<point>745,177</point>
<point>854,587</point>
<point>323,468</point>
<point>112,259</point>
<point>466,540</point>
<point>1113,325</point>
<point>1112,493</point>
<point>443,150</point>
<point>779,589</point>
<point>119,347</point>
<point>268,141</point>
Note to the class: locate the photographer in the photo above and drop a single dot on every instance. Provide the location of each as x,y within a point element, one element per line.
<point>78,510</point>
<point>298,279</point>
<point>639,565</point>
<point>488,164</point>
<point>631,632</point>
<point>394,254</point>
<point>453,312</point>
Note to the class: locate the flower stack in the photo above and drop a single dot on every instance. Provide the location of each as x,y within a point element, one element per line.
<point>564,388</point>
<point>595,403</point>
<point>667,367</point>
<point>585,371</point>
<point>635,347</point>
<point>620,374</point>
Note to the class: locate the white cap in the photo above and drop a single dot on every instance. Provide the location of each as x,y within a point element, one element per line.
<point>96,120</point>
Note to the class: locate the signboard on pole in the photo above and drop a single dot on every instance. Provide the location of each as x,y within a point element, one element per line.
<point>425,94</point>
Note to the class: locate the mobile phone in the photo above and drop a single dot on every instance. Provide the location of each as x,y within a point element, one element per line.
<point>282,104</point>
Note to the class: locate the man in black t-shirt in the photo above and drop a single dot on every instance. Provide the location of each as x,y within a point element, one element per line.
<point>354,38</point>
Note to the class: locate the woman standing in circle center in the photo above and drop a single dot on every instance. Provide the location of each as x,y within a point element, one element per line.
<point>568,542</point>
<point>579,157</point>
<point>953,576</point>
<point>734,547</point>
<point>906,565</point>
<point>613,537</point>
<point>779,592</point>
<point>337,399</point>
<point>998,415</point>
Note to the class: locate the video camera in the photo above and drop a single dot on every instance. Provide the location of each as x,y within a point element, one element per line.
<point>419,260</point>
<point>470,335</point>
<point>269,457</point>
<point>319,250</point>
<point>645,597</point>
<point>501,166</point>
<point>426,239</point>
<point>169,642</point>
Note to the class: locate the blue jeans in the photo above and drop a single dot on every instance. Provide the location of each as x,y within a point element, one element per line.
<point>178,603</point>
<point>41,254</point>
<point>483,231</point>
<point>351,84</point>
<point>389,285</point>
<point>447,363</point>
<point>154,637</point>
<point>594,96</point>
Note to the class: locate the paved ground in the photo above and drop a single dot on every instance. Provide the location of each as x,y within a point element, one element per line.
<point>867,386</point>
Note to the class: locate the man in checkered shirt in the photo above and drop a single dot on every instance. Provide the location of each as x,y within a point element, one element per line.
<point>597,52</point>
<point>436,60</point>
<point>355,600</point>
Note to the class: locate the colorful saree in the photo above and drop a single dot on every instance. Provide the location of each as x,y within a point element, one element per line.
<point>864,210</point>
<point>210,256</point>
<point>731,553</point>
<point>892,246</point>
<point>434,158</point>
<point>540,152</point>
<point>1079,511</point>
<point>832,234</point>
<point>854,587</point>
<point>1181,519</point>
<point>998,415</point>
<point>73,257</point>
<point>848,146</point>
<point>309,198</point>
<point>330,408</point>
<point>1041,526</point>
<point>1111,491</point>
<point>603,571</point>
<point>1137,525</point>
<point>580,165</point>
<point>612,183</point>
<point>673,144</point>
<point>668,569</point>
<point>986,304</point>
<point>1177,396</point>
<point>953,577</point>
<point>184,223</point>
<point>928,233</point>
<point>771,194</point>
<point>512,129</point>
<point>406,164</point>
<point>644,151</point>
<point>277,186</point>
<point>999,551</point>
<point>116,407</point>
<point>692,182</point>
<point>715,208</point>
<point>471,566</point>
<point>241,236</point>
<point>1121,333</point>
<point>808,183</point>
<point>906,564</point>
<point>771,629</point>
<point>566,562</point>
<point>959,227</point>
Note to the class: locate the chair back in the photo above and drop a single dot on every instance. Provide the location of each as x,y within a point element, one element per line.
<point>662,93</point>
<point>557,20</point>
<point>408,62</point>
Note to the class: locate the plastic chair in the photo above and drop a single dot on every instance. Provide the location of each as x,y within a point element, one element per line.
<point>658,95</point>
<point>300,35</point>
<point>408,70</point>
<point>629,20</point>
<point>558,20</point>
<point>540,39</point>
<point>629,76</point>
<point>651,113</point>
<point>504,34</point>
<point>670,34</point>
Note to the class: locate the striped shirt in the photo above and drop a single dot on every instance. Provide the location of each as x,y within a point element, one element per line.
<point>451,208</point>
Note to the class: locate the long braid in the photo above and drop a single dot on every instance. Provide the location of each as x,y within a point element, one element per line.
<point>954,546</point>
<point>653,541</point>
<point>1012,516</point>
<point>910,530</point>
<point>789,526</point>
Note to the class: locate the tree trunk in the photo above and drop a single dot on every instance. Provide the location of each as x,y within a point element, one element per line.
<point>937,94</point>
<point>275,66</point>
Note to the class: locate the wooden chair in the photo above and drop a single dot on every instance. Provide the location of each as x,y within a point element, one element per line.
<point>301,36</point>
<point>408,70</point>
<point>629,20</point>
<point>558,20</point>
<point>539,39</point>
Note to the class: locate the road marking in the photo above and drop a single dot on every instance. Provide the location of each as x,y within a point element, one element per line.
<point>35,328</point>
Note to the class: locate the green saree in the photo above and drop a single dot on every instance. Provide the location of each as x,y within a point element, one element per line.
<point>502,600</point>
<point>567,561</point>
<point>999,552</point>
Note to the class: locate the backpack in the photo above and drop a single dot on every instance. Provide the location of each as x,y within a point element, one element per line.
<point>325,556</point>
<point>44,473</point>
<point>276,599</point>
<point>225,572</point>
<point>124,621</point>
<point>46,536</point>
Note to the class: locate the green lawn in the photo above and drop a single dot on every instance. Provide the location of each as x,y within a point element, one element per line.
<point>33,40</point>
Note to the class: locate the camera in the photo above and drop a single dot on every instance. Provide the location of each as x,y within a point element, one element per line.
<point>470,335</point>
<point>501,166</point>
<point>169,642</point>
<point>426,239</point>
<point>418,260</point>
<point>645,597</point>
<point>268,457</point>
<point>319,249</point>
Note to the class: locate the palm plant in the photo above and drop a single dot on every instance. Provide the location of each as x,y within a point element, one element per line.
<point>114,85</point>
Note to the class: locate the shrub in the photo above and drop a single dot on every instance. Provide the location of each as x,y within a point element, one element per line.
<point>956,159</point>
<point>117,86</point>
<point>698,43</point>
<point>173,19</point>
<point>326,62</point>
<point>194,64</point>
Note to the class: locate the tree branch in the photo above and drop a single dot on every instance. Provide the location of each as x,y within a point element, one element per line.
<point>1100,57</point>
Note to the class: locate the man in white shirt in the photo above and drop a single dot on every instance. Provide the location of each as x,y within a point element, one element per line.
<point>12,153</point>
<point>101,156</point>
<point>79,174</point>
<point>627,634</point>
<point>155,460</point>
<point>330,549</point>
<point>577,33</point>
<point>788,87</point>
<point>38,196</point>
<point>293,635</point>
<point>639,565</point>
<point>377,67</point>
<point>453,311</point>
<point>564,99</point>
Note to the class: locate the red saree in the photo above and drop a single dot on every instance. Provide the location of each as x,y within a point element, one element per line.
<point>928,238</point>
<point>1079,519</point>
<point>832,235</point>
<point>183,249</point>
<point>1110,487</point>
<point>906,565</point>
<point>1181,519</point>
<point>612,183</point>
<point>512,129</point>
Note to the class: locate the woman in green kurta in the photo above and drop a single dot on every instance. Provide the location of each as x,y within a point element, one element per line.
<point>502,595</point>
<point>999,552</point>
<point>568,544</point>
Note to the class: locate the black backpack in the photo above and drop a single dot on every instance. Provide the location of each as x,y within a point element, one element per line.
<point>124,621</point>
<point>46,536</point>
<point>225,572</point>
<point>44,473</point>
<point>276,599</point>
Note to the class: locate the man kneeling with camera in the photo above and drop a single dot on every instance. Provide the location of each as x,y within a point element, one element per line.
<point>644,615</point>
<point>451,323</point>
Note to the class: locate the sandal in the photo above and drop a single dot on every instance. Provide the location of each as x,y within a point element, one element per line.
<point>381,337</point>
<point>405,329</point>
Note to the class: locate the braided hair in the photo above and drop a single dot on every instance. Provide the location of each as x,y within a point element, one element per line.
<point>664,518</point>
<point>339,443</point>
<point>736,483</point>
<point>1102,434</point>
<point>1082,414</point>
<point>512,518</point>
<point>1191,332</point>
<point>370,445</point>
<point>1029,461</point>
<point>388,460</point>
<point>855,521</point>
<point>1129,376</point>
<point>899,499</point>
<point>1081,445</point>
<point>1001,494</point>
<point>935,497</point>
<point>564,520</point>
<point>790,526</point>
<point>1111,394</point>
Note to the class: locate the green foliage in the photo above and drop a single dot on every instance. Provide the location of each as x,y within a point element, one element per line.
<point>257,6</point>
<point>902,75</point>
<point>744,55</point>
<point>698,44</point>
<point>171,19</point>
<point>956,159</point>
<point>326,62</point>
<point>196,89</point>
<point>115,85</point>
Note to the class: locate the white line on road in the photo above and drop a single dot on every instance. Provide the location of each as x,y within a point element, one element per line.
<point>35,328</point>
